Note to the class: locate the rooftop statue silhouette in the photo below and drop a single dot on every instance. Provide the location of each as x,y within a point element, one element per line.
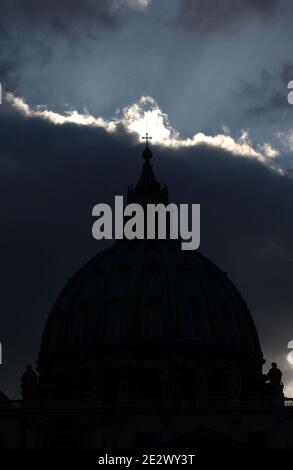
<point>29,384</point>
<point>274,379</point>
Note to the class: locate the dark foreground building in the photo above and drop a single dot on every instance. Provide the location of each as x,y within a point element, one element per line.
<point>149,346</point>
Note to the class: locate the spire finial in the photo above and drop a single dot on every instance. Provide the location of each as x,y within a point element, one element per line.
<point>147,137</point>
<point>147,154</point>
<point>147,190</point>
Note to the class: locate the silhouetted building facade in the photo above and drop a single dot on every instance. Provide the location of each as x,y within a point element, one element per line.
<point>149,346</point>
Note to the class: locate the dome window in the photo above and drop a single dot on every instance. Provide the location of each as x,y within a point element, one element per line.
<point>154,301</point>
<point>184,267</point>
<point>116,301</point>
<point>195,304</point>
<point>124,267</point>
<point>82,306</point>
<point>154,266</point>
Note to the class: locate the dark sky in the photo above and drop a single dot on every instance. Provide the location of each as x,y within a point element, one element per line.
<point>83,80</point>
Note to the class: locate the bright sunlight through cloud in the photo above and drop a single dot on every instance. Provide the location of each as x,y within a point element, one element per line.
<point>146,116</point>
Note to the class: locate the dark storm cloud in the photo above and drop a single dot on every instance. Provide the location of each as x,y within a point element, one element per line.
<point>38,37</point>
<point>205,16</point>
<point>269,94</point>
<point>51,177</point>
<point>60,15</point>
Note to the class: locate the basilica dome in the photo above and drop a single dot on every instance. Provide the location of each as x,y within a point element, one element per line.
<point>150,291</point>
<point>143,302</point>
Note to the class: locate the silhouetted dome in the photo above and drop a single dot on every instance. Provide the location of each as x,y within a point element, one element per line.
<point>144,302</point>
<point>150,291</point>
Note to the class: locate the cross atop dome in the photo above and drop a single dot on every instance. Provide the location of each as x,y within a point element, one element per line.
<point>147,153</point>
<point>147,137</point>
